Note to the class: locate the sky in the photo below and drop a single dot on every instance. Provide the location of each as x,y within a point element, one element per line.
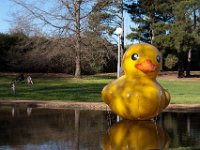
<point>6,9</point>
<point>5,16</point>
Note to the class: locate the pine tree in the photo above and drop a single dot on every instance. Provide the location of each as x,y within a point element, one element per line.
<point>145,15</point>
<point>169,25</point>
<point>179,34</point>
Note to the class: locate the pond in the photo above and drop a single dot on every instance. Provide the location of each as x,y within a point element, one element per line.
<point>59,129</point>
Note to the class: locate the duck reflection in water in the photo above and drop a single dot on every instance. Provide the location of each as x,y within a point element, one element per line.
<point>135,135</point>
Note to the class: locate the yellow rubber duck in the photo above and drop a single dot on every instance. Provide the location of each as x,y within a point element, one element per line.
<point>135,135</point>
<point>137,95</point>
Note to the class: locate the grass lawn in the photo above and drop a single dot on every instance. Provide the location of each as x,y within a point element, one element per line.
<point>86,89</point>
<point>183,91</point>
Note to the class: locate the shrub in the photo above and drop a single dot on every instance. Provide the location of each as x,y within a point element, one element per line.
<point>170,61</point>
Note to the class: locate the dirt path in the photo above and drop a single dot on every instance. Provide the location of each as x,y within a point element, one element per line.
<point>89,105</point>
<point>172,75</point>
<point>166,75</point>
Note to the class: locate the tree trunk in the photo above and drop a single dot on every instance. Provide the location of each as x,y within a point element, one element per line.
<point>152,32</point>
<point>122,39</point>
<point>78,41</point>
<point>152,35</point>
<point>180,69</point>
<point>189,56</point>
<point>78,60</point>
<point>188,63</point>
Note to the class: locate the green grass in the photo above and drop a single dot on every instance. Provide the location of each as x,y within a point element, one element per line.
<point>54,88</point>
<point>183,91</point>
<point>86,89</point>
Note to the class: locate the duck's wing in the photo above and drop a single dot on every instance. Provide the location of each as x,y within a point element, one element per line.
<point>105,94</point>
<point>167,97</point>
<point>110,91</point>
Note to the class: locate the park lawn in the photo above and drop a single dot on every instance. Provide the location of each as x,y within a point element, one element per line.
<point>182,91</point>
<point>87,89</point>
<point>55,88</point>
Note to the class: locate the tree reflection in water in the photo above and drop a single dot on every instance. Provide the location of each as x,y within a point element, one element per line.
<point>183,129</point>
<point>53,129</point>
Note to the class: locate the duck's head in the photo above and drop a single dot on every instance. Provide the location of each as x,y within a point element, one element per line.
<point>141,60</point>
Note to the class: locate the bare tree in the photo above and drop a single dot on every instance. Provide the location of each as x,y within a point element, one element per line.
<point>66,17</point>
<point>22,25</point>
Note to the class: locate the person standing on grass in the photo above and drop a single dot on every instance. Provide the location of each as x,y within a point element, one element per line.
<point>13,87</point>
<point>29,80</point>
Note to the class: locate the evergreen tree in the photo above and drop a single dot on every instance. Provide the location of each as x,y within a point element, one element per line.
<point>145,15</point>
<point>103,21</point>
<point>170,25</point>
<point>179,35</point>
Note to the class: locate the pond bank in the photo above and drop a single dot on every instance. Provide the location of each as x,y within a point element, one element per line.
<point>89,105</point>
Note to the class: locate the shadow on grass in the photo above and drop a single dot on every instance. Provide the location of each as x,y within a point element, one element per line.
<point>102,76</point>
<point>82,92</point>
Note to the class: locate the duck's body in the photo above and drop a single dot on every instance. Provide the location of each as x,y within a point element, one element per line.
<point>137,95</point>
<point>138,99</point>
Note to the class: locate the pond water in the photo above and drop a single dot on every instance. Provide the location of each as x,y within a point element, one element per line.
<point>54,129</point>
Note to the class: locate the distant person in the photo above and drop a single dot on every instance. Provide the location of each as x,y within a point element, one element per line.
<point>13,87</point>
<point>29,80</point>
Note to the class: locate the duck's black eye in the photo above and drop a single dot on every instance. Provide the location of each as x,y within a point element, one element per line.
<point>134,56</point>
<point>158,58</point>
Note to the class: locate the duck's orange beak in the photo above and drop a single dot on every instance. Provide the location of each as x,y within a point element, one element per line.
<point>146,66</point>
